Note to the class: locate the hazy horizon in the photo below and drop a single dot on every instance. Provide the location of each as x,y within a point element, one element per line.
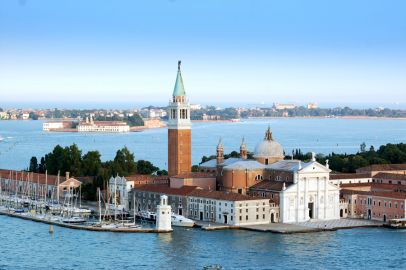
<point>232,52</point>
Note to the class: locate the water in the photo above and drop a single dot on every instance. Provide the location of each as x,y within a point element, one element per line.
<point>23,139</point>
<point>28,245</point>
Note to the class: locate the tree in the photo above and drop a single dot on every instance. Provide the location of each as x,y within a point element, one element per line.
<point>42,166</point>
<point>33,165</point>
<point>91,163</point>
<point>363,147</point>
<point>146,167</point>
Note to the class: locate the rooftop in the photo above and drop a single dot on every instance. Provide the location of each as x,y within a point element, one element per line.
<point>221,195</point>
<point>212,163</point>
<point>383,167</point>
<point>245,165</point>
<point>390,176</point>
<point>270,185</point>
<point>195,175</point>
<point>338,176</point>
<point>162,189</point>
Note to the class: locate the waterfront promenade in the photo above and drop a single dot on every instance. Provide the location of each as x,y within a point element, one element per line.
<point>300,227</point>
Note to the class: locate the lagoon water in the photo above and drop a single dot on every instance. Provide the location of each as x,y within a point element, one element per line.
<point>23,139</point>
<point>28,245</point>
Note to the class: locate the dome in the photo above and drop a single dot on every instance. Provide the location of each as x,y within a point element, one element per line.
<point>268,147</point>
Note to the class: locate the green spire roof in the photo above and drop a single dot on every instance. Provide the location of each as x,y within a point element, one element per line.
<point>179,89</point>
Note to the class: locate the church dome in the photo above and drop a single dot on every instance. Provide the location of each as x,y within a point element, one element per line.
<point>268,148</point>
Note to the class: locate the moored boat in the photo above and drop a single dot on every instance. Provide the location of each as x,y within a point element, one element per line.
<point>398,223</point>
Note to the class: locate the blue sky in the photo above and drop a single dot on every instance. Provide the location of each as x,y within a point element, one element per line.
<point>117,51</point>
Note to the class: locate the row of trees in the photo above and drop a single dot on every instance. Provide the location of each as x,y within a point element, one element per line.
<point>348,163</point>
<point>321,112</point>
<point>70,159</point>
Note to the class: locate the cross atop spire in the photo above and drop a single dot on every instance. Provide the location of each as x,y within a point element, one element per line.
<point>268,134</point>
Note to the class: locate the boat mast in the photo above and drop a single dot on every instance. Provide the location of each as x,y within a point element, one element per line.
<point>100,214</point>
<point>46,185</point>
<point>57,189</point>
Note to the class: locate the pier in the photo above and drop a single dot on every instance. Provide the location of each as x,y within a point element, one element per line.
<point>84,227</point>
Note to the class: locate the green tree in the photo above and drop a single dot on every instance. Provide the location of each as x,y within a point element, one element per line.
<point>146,167</point>
<point>33,165</point>
<point>91,163</point>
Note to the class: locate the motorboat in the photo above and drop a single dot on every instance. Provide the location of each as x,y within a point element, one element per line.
<point>74,220</point>
<point>181,221</point>
<point>146,215</point>
<point>398,223</point>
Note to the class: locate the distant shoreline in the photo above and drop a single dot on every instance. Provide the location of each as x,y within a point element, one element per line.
<point>332,117</point>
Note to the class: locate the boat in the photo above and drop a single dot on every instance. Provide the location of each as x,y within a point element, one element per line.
<point>176,220</point>
<point>398,223</point>
<point>146,215</point>
<point>74,220</point>
<point>181,221</point>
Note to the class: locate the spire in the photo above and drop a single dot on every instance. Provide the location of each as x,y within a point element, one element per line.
<point>243,145</point>
<point>220,144</point>
<point>268,134</point>
<point>243,149</point>
<point>179,89</point>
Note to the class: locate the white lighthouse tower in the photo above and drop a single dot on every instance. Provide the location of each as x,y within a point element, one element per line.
<point>163,215</point>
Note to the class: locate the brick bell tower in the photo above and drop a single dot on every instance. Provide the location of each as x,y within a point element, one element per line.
<point>179,130</point>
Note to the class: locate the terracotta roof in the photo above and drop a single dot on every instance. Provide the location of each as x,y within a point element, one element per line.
<point>390,176</point>
<point>195,175</point>
<point>182,191</point>
<point>392,195</point>
<point>34,177</point>
<point>146,177</point>
<point>221,195</point>
<point>338,176</point>
<point>374,186</point>
<point>270,185</point>
<point>384,167</point>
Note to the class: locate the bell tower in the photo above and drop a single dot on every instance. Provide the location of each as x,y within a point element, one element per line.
<point>179,130</point>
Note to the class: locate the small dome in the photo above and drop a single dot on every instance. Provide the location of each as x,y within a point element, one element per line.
<point>268,147</point>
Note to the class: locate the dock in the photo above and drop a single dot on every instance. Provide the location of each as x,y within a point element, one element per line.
<point>83,227</point>
<point>291,228</point>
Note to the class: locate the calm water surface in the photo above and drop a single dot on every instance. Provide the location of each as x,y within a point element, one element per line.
<point>28,245</point>
<point>23,139</point>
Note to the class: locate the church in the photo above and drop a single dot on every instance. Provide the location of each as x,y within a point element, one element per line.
<point>297,191</point>
<point>302,190</point>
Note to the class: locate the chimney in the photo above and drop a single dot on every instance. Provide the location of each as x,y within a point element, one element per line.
<point>67,175</point>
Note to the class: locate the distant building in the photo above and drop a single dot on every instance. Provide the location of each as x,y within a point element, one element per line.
<point>312,106</point>
<point>195,107</point>
<point>281,106</point>
<point>54,126</point>
<point>102,126</point>
<point>4,116</point>
<point>206,117</point>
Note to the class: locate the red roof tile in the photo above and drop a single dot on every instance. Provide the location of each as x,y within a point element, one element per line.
<point>221,195</point>
<point>390,176</point>
<point>182,191</point>
<point>338,176</point>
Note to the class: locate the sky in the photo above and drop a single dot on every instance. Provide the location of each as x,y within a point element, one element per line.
<point>242,52</point>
